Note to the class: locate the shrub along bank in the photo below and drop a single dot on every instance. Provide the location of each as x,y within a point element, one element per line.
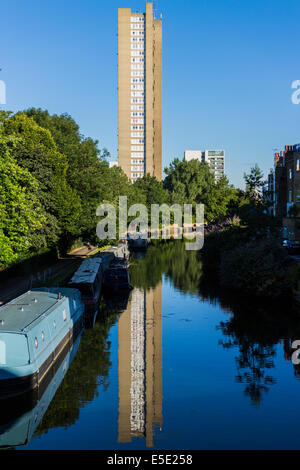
<point>253,265</point>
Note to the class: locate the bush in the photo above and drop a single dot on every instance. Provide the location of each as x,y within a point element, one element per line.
<point>259,267</point>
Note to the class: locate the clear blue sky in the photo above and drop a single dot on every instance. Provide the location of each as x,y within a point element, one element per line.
<point>228,66</point>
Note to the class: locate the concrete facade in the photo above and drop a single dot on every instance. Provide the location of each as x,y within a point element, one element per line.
<point>193,155</point>
<point>139,93</point>
<point>214,158</point>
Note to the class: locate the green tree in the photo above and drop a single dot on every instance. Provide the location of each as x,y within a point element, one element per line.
<point>188,182</point>
<point>36,151</point>
<point>21,214</point>
<point>193,183</point>
<point>220,200</point>
<point>87,171</point>
<point>254,182</point>
<point>152,189</point>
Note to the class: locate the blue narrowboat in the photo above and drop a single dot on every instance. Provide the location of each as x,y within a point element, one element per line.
<point>35,329</point>
<point>19,430</point>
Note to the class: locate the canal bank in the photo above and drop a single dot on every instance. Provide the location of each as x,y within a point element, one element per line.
<point>49,274</point>
<point>178,364</point>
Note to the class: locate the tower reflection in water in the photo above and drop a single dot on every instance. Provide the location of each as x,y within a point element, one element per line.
<point>140,366</point>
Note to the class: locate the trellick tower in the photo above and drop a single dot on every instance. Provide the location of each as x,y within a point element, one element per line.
<point>139,93</point>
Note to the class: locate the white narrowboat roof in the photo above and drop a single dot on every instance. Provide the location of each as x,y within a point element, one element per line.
<point>87,271</point>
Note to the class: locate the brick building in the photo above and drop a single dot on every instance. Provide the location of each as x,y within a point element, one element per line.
<point>284,187</point>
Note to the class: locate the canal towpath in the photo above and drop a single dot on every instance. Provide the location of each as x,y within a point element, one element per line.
<point>13,287</point>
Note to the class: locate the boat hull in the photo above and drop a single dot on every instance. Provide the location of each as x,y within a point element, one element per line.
<point>138,244</point>
<point>25,384</point>
<point>29,352</point>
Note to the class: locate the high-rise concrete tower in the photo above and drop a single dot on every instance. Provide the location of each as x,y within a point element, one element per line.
<point>139,93</point>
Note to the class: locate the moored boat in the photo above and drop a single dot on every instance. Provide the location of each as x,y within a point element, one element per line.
<point>19,428</point>
<point>116,277</point>
<point>138,243</point>
<point>119,263</point>
<point>35,328</point>
<point>88,279</point>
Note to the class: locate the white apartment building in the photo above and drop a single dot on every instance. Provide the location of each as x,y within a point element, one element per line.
<point>215,159</point>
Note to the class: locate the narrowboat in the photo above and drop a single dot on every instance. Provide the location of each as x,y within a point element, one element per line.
<point>88,279</point>
<point>107,257</point>
<point>116,277</point>
<point>35,329</point>
<point>119,263</point>
<point>139,243</point>
<point>18,430</point>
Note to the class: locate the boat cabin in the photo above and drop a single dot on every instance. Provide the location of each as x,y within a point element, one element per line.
<point>88,279</point>
<point>34,330</point>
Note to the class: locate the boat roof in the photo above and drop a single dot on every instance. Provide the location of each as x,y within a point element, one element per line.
<point>21,312</point>
<point>87,271</point>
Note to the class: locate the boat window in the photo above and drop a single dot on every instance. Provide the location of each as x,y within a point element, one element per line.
<point>36,342</point>
<point>13,349</point>
<point>2,352</point>
<point>54,324</point>
<point>43,336</point>
<point>64,314</point>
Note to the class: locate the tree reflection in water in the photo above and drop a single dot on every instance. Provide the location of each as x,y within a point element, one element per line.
<point>89,369</point>
<point>254,328</point>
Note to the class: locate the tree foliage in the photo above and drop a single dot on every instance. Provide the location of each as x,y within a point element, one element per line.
<point>36,151</point>
<point>64,176</point>
<point>21,214</point>
<point>192,182</point>
<point>254,182</point>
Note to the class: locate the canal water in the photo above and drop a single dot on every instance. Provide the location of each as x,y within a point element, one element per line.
<point>176,365</point>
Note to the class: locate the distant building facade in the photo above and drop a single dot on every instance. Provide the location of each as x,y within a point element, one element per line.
<point>214,158</point>
<point>284,190</point>
<point>291,223</point>
<point>269,192</point>
<point>139,93</point>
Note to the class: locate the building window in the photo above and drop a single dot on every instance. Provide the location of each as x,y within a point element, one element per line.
<point>136,168</point>
<point>297,195</point>
<point>290,196</point>
<point>298,164</point>
<point>290,174</point>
